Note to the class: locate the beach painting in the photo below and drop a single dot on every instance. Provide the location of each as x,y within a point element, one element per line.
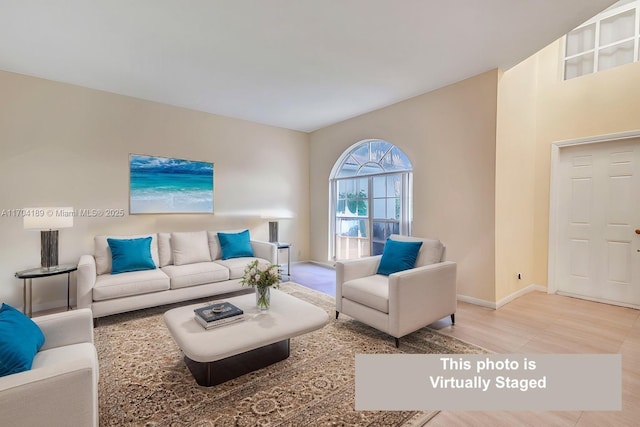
<point>166,185</point>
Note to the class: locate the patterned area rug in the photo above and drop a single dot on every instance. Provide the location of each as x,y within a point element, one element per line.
<point>144,381</point>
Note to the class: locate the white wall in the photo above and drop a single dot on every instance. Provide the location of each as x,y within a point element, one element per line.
<point>63,145</point>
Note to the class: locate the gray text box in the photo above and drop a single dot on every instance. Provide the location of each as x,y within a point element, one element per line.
<point>517,382</point>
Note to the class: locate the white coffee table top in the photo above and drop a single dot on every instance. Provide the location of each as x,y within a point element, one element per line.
<point>287,317</point>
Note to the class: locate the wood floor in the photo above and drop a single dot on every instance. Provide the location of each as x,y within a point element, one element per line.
<point>537,323</point>
<point>541,323</point>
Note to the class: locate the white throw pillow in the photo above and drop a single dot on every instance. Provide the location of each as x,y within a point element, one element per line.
<point>190,247</point>
<point>164,249</point>
<point>430,252</point>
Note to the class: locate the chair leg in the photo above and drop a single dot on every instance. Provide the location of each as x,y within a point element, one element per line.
<point>453,319</point>
<point>397,342</point>
<point>337,314</point>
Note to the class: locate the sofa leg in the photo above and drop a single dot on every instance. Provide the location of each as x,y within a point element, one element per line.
<point>337,314</point>
<point>397,342</point>
<point>453,319</point>
<point>95,322</point>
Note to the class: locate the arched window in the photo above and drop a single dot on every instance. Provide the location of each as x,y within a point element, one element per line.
<point>371,187</point>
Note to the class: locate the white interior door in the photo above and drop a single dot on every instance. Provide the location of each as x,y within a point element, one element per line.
<point>598,253</point>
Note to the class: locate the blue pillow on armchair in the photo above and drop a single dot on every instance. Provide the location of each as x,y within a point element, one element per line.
<point>130,255</point>
<point>235,245</point>
<point>398,256</point>
<point>20,340</point>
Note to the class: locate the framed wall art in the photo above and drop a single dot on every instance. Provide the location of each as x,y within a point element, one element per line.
<point>167,185</point>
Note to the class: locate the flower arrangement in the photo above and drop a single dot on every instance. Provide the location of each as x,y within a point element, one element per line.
<point>262,277</point>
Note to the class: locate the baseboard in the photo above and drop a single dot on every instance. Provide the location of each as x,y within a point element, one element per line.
<point>503,301</point>
<point>477,301</point>
<point>517,294</point>
<point>327,264</point>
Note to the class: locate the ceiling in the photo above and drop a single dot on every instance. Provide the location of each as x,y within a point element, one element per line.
<point>296,64</point>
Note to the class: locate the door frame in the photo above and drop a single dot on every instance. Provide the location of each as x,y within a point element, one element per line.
<point>554,190</point>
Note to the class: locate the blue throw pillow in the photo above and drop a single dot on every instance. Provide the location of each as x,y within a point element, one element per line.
<point>130,255</point>
<point>235,245</point>
<point>20,340</point>
<point>398,256</point>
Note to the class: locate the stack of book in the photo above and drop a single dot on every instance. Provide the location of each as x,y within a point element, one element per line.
<point>215,315</point>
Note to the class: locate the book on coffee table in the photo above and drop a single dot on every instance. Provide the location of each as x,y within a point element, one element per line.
<point>218,323</point>
<point>218,314</point>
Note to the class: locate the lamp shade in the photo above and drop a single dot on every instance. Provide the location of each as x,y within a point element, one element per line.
<point>48,218</point>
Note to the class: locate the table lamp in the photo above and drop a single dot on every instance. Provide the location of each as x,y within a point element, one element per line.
<point>273,218</point>
<point>48,221</point>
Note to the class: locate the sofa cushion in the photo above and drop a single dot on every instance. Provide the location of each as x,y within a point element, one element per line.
<point>102,252</point>
<point>20,340</point>
<point>165,254</point>
<point>236,266</point>
<point>109,286</point>
<point>190,247</point>
<point>130,255</point>
<point>183,276</point>
<point>235,245</point>
<point>398,256</point>
<point>371,291</point>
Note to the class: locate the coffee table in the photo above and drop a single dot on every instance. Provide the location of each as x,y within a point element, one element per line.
<point>220,354</point>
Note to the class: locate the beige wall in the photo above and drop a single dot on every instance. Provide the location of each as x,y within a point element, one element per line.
<point>601,103</point>
<point>596,104</point>
<point>63,145</point>
<point>449,136</point>
<point>515,166</point>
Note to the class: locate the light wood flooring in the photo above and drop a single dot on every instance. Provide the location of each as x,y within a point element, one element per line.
<point>541,323</point>
<point>535,323</point>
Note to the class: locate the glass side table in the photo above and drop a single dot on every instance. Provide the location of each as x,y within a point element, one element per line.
<point>287,246</point>
<point>34,273</point>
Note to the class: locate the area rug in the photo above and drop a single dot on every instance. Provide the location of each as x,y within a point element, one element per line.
<point>144,381</point>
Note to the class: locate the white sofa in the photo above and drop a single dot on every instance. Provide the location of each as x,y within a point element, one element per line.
<point>61,389</point>
<point>190,266</point>
<point>402,302</point>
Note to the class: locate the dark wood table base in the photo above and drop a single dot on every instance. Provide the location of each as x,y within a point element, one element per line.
<point>213,373</point>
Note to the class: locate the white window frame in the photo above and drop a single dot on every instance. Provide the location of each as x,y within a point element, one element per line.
<point>612,11</point>
<point>406,200</point>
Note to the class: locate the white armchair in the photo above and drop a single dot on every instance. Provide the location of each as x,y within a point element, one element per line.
<point>61,389</point>
<point>402,302</point>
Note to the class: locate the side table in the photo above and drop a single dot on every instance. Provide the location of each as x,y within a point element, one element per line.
<point>34,273</point>
<point>287,246</point>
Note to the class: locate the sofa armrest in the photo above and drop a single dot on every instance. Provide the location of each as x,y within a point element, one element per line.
<point>86,280</point>
<point>66,328</point>
<point>265,250</point>
<point>421,295</point>
<point>60,394</point>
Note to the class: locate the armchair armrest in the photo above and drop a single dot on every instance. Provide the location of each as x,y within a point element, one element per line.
<point>86,281</point>
<point>356,268</point>
<point>265,250</point>
<point>59,394</point>
<point>421,296</point>
<point>353,269</point>
<point>66,328</point>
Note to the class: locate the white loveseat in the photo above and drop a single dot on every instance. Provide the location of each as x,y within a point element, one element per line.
<point>61,388</point>
<point>190,266</point>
